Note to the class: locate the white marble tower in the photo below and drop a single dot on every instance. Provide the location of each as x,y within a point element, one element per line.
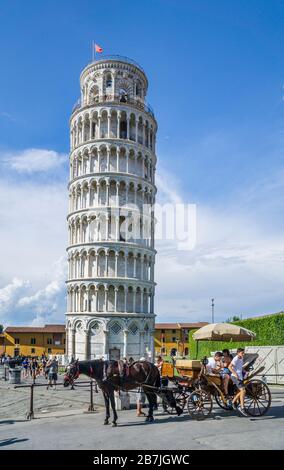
<point>111,255</point>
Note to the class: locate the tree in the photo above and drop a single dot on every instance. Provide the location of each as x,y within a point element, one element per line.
<point>233,318</point>
<point>1,328</point>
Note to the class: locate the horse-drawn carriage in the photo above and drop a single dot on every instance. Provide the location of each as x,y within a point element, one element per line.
<point>194,388</point>
<point>190,385</point>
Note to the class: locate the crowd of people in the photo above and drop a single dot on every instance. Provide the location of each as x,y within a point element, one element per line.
<point>36,366</point>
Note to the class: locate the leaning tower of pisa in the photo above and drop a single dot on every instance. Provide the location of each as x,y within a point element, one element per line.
<point>111,255</point>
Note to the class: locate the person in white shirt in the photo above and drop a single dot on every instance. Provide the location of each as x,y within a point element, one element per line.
<point>214,363</point>
<point>236,368</point>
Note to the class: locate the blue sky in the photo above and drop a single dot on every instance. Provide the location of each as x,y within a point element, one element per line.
<point>215,72</point>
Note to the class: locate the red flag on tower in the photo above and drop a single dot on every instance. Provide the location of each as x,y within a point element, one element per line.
<point>98,48</point>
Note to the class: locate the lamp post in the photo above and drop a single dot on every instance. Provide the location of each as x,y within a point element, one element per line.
<point>212,306</point>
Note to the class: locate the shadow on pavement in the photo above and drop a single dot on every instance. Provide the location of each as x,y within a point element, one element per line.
<point>13,440</point>
<point>12,421</point>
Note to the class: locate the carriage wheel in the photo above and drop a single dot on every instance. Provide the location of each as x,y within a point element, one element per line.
<point>257,398</point>
<point>199,405</point>
<point>220,403</point>
<point>180,399</point>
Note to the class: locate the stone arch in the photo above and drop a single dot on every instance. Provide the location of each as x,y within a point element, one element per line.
<point>93,94</point>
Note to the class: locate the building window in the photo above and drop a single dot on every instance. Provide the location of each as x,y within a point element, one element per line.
<point>33,341</point>
<point>163,331</point>
<point>173,331</point>
<point>49,340</point>
<point>49,351</point>
<point>17,340</point>
<point>32,350</point>
<point>174,339</point>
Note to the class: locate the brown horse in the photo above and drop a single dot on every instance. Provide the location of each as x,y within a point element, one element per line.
<point>109,377</point>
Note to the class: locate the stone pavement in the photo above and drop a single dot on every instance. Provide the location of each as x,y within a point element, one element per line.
<point>15,402</point>
<point>61,430</point>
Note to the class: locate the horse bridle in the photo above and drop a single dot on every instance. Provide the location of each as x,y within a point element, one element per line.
<point>72,377</point>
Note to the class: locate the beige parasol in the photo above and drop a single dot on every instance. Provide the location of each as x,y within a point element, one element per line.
<point>223,332</point>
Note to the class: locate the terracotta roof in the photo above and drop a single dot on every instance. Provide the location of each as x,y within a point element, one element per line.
<point>177,326</point>
<point>36,329</point>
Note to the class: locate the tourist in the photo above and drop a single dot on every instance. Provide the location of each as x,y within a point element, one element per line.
<point>47,367</point>
<point>237,376</point>
<point>25,365</point>
<point>52,374</point>
<point>141,397</point>
<point>225,371</point>
<point>34,368</point>
<point>159,364</point>
<point>213,365</point>
<point>43,365</point>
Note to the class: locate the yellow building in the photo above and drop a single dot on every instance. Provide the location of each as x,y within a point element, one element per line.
<point>172,338</point>
<point>34,341</point>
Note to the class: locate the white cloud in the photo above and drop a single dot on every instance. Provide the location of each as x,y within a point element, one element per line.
<point>20,303</point>
<point>34,160</point>
<point>45,299</point>
<point>10,293</point>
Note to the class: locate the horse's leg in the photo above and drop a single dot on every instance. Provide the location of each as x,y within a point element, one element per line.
<point>150,417</point>
<point>106,399</point>
<point>112,401</point>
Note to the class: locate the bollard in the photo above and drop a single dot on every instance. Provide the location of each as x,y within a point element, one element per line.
<point>30,414</point>
<point>91,406</point>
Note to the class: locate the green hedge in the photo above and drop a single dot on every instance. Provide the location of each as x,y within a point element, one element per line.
<point>269,332</point>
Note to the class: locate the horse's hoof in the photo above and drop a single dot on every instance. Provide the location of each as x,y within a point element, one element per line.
<point>179,410</point>
<point>114,425</point>
<point>149,419</point>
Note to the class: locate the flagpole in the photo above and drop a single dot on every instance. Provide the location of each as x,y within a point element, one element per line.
<point>93,51</point>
